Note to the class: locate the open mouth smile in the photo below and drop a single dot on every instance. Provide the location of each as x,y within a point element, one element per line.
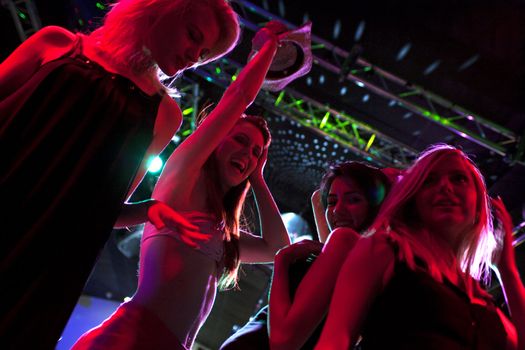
<point>239,165</point>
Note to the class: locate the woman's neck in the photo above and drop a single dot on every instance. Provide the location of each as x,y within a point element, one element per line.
<point>146,78</point>
<point>445,257</point>
<point>443,252</point>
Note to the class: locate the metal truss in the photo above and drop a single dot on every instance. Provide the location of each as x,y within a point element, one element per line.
<point>349,66</point>
<point>328,122</point>
<point>188,100</point>
<point>25,17</point>
<point>342,128</point>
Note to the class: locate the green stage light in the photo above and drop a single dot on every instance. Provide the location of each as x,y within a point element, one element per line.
<point>155,164</point>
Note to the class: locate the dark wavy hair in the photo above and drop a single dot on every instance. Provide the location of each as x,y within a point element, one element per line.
<point>229,206</point>
<point>374,183</point>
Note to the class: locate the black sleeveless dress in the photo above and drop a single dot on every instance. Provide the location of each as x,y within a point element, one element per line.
<point>254,334</point>
<point>71,141</point>
<point>417,312</point>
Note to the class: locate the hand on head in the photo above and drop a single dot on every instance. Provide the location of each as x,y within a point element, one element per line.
<point>258,172</point>
<point>162,215</point>
<point>316,196</point>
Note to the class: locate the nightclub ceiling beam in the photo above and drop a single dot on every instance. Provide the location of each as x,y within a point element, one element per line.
<point>338,126</point>
<point>416,99</point>
<point>25,17</point>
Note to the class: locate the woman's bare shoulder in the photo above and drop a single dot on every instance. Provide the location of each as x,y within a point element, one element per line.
<point>343,235</point>
<point>378,251</point>
<point>54,35</point>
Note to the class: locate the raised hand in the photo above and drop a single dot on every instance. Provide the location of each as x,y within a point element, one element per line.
<point>276,27</point>
<point>273,30</point>
<point>162,215</point>
<point>316,197</point>
<point>506,259</point>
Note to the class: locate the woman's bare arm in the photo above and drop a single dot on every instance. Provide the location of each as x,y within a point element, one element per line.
<point>293,322</point>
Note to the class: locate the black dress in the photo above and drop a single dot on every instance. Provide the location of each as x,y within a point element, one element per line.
<point>71,141</point>
<point>415,312</point>
<point>254,334</point>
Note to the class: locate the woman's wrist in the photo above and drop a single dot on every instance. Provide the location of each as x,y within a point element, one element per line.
<point>257,180</point>
<point>508,271</point>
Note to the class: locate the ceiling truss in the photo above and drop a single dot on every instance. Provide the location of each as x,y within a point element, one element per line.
<point>25,17</point>
<point>413,98</point>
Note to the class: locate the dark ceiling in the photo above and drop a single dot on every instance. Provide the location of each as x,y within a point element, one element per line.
<point>464,55</point>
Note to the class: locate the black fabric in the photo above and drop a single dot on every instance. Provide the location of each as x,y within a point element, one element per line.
<point>297,272</point>
<point>71,141</point>
<point>417,312</point>
<point>254,334</point>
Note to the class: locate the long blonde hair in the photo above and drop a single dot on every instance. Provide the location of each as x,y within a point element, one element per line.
<point>128,23</point>
<point>476,248</point>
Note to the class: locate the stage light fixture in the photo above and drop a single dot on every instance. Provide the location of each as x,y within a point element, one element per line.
<point>155,165</point>
<point>403,51</point>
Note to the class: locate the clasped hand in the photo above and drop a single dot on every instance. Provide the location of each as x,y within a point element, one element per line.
<point>299,251</point>
<point>506,256</point>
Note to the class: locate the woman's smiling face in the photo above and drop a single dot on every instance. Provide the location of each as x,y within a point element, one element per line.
<point>238,154</point>
<point>347,205</point>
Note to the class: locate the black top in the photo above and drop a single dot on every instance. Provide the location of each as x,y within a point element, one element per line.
<point>254,334</point>
<point>71,141</point>
<point>417,312</point>
<point>297,271</point>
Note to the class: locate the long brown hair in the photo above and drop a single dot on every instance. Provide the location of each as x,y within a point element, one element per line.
<point>229,207</point>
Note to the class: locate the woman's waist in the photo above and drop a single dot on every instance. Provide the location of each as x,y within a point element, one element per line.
<point>182,307</point>
<point>177,299</point>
